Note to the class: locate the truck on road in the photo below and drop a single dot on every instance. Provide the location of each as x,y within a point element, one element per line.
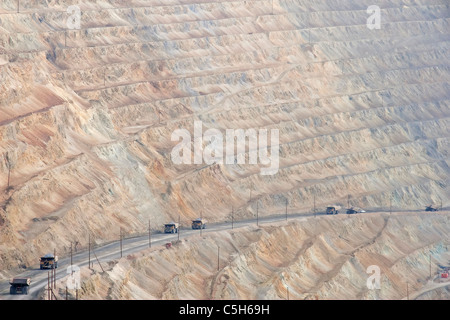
<point>19,285</point>
<point>431,208</point>
<point>49,261</point>
<point>171,227</point>
<point>332,209</point>
<point>354,210</point>
<point>199,223</point>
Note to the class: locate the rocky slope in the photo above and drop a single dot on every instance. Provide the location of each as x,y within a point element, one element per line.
<point>316,258</point>
<point>86,116</point>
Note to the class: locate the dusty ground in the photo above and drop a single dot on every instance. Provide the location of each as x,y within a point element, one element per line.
<point>317,258</point>
<point>86,116</point>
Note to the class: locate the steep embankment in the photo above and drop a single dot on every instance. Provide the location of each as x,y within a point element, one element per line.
<point>86,116</point>
<point>317,258</point>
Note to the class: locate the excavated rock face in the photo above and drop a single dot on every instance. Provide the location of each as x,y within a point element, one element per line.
<point>331,257</point>
<point>87,115</point>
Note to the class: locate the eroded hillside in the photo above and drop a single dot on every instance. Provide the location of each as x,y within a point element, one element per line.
<point>86,116</point>
<point>316,258</point>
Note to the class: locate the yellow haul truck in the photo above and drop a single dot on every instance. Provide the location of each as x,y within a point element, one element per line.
<point>171,227</point>
<point>199,223</point>
<point>49,261</point>
<point>332,209</point>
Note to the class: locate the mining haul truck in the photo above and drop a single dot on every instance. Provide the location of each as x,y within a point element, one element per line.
<point>353,210</point>
<point>171,227</point>
<point>199,224</point>
<point>333,209</point>
<point>431,208</point>
<point>49,261</point>
<point>19,285</point>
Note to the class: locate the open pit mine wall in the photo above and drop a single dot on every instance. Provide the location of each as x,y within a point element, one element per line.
<point>86,115</point>
<point>314,258</point>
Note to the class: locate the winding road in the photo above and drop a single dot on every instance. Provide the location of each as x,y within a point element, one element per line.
<point>111,251</point>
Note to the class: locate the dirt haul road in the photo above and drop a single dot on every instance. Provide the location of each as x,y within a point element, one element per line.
<point>111,251</point>
<point>323,257</point>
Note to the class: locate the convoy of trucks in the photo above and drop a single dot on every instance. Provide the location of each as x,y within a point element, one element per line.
<point>334,209</point>
<point>172,227</point>
<point>50,261</point>
<point>22,285</point>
